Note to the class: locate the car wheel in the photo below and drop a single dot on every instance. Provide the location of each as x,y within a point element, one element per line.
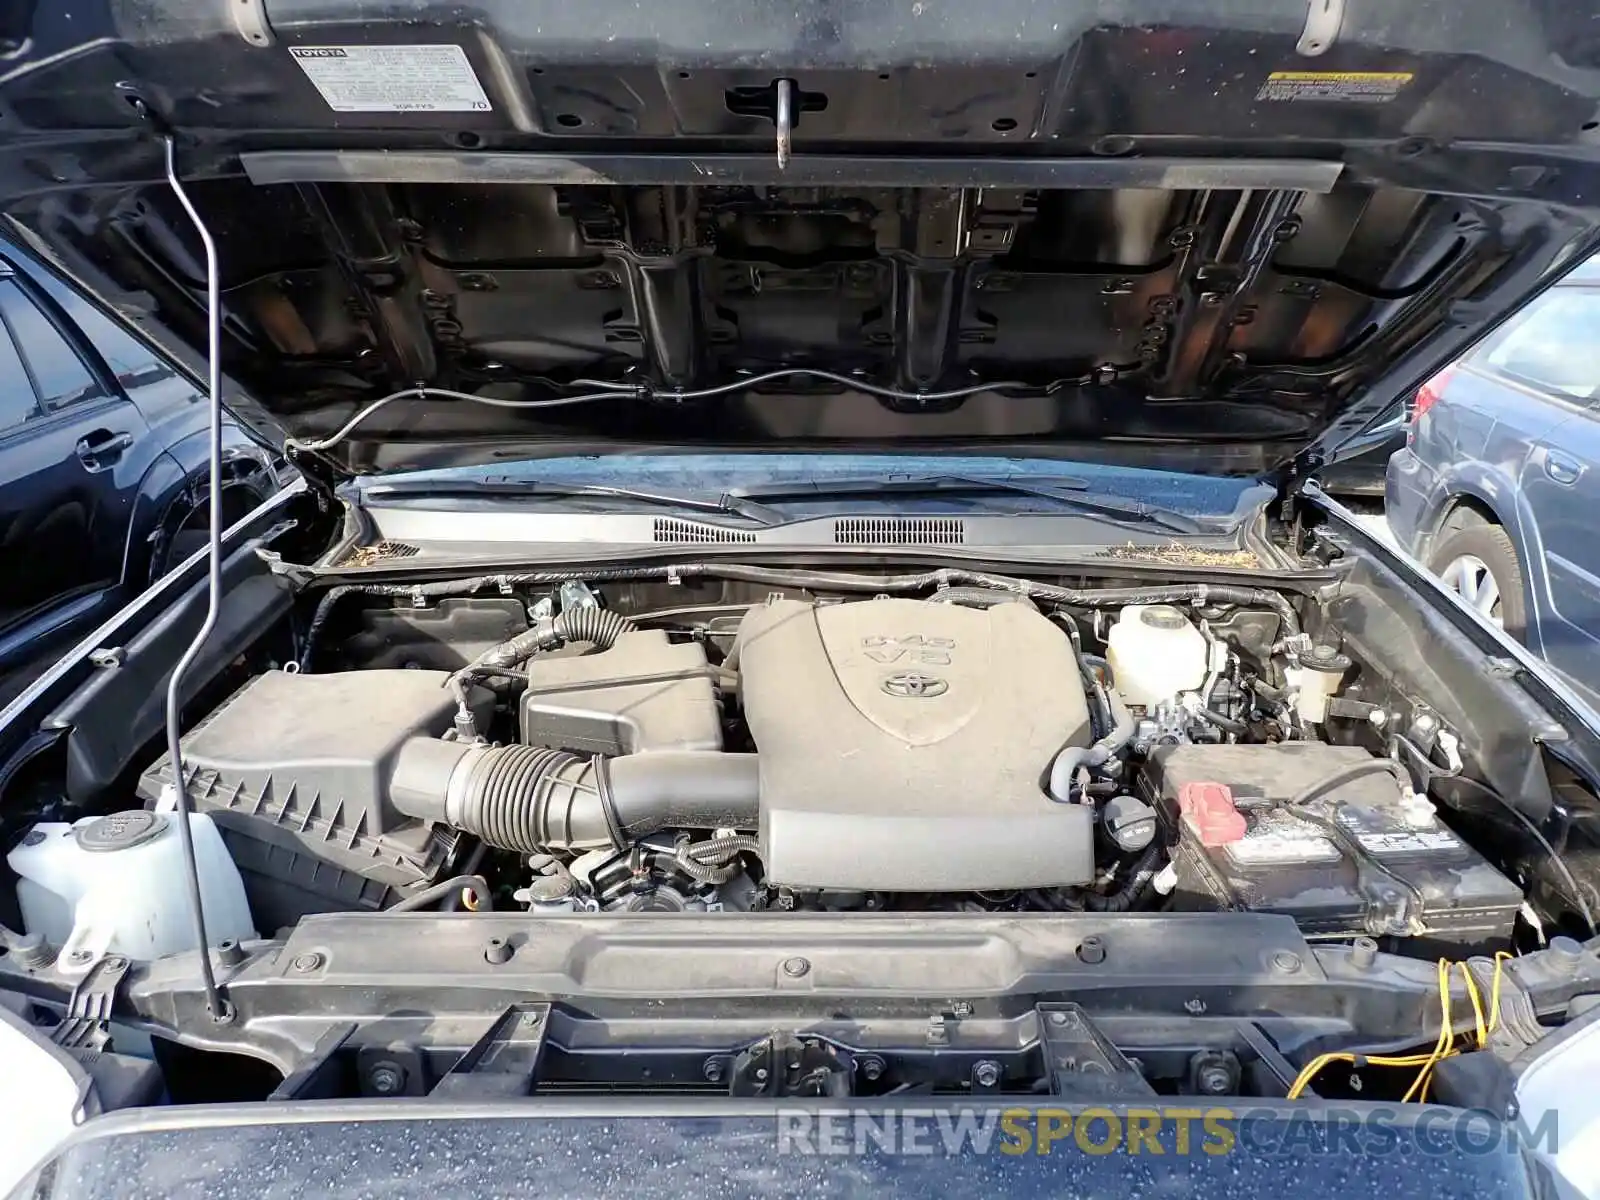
<point>1480,565</point>
<point>194,533</point>
<point>184,543</point>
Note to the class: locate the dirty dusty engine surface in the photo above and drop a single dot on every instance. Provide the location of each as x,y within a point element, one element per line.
<point>971,750</point>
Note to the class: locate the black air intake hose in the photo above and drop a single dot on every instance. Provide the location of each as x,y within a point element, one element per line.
<point>538,801</point>
<point>598,625</point>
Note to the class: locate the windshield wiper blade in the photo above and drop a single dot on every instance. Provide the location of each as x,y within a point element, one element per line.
<point>734,505</point>
<point>1065,490</point>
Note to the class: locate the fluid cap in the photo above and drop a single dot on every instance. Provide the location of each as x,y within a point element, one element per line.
<point>549,889</point>
<point>1323,657</point>
<point>120,831</point>
<point>1208,809</point>
<point>1163,616</point>
<point>1130,822</point>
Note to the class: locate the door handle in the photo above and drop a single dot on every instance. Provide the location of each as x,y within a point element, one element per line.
<point>102,448</point>
<point>1561,468</point>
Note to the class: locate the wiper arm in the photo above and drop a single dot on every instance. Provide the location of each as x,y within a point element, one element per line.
<point>734,505</point>
<point>1066,490</point>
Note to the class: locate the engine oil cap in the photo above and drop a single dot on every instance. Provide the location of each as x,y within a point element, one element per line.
<point>1210,812</point>
<point>119,831</point>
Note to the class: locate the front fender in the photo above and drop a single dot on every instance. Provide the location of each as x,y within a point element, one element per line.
<point>247,469</point>
<point>1476,480</point>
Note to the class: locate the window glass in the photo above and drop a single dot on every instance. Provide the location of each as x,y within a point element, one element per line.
<point>58,372</point>
<point>131,361</point>
<point>1556,346</point>
<point>17,402</point>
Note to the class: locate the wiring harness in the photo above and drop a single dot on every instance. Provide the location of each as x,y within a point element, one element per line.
<point>1444,1046</point>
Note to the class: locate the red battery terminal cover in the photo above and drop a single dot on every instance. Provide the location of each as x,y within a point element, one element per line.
<point>1210,812</point>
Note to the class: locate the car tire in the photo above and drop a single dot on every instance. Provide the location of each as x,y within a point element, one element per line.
<point>194,534</point>
<point>184,543</point>
<point>1480,565</point>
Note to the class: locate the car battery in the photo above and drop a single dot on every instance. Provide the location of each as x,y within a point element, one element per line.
<point>1362,856</point>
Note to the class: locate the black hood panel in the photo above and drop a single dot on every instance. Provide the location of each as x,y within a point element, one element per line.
<point>1205,234</point>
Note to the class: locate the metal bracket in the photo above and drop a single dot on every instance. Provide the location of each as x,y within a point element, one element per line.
<point>84,1027</point>
<point>783,118</point>
<point>318,1077</point>
<point>250,19</point>
<point>1080,1062</point>
<point>784,1065</point>
<point>504,1062</point>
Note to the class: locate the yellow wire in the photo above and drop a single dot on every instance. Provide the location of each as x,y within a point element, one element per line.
<point>1476,997</point>
<point>1444,1044</point>
<point>1501,958</point>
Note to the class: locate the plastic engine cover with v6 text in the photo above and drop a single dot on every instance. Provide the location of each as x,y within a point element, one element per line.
<point>902,745</point>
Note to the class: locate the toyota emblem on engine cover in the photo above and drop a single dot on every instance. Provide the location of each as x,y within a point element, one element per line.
<point>915,683</point>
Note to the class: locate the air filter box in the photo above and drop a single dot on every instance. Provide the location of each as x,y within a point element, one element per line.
<point>293,770</point>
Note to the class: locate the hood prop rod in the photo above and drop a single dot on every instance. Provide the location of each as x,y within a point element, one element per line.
<point>783,120</point>
<point>220,1009</point>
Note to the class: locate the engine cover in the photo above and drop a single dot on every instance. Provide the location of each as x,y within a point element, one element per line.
<point>902,745</point>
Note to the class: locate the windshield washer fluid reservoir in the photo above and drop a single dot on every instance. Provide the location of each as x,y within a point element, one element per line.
<point>117,885</point>
<point>1155,653</point>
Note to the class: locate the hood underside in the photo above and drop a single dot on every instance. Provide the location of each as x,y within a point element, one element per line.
<point>1170,235</point>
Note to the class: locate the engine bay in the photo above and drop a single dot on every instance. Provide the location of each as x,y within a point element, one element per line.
<point>819,742</point>
<point>456,832</point>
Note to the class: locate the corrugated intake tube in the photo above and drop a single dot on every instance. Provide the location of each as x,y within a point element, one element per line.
<point>600,626</point>
<point>537,801</point>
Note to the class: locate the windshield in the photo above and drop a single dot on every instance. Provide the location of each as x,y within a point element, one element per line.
<point>800,485</point>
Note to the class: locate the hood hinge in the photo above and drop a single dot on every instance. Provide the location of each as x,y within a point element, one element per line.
<point>322,477</point>
<point>1290,481</point>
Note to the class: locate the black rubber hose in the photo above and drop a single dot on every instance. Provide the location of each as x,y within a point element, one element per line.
<point>474,860</point>
<point>1226,724</point>
<point>600,626</point>
<point>442,891</point>
<point>1126,896</point>
<point>1070,758</point>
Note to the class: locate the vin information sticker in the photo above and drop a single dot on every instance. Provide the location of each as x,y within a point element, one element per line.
<point>393,78</point>
<point>1347,87</point>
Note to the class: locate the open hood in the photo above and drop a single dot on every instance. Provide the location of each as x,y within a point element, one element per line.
<point>1196,234</point>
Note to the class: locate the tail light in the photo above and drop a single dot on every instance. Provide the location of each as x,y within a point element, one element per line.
<point>1427,396</point>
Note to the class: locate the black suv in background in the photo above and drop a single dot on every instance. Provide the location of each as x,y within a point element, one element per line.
<point>1498,487</point>
<point>102,467</point>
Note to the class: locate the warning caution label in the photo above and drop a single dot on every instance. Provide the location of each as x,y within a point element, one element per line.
<point>370,79</point>
<point>1339,87</point>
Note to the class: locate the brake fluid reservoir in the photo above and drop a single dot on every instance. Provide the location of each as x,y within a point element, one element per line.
<point>1155,652</point>
<point>117,885</point>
